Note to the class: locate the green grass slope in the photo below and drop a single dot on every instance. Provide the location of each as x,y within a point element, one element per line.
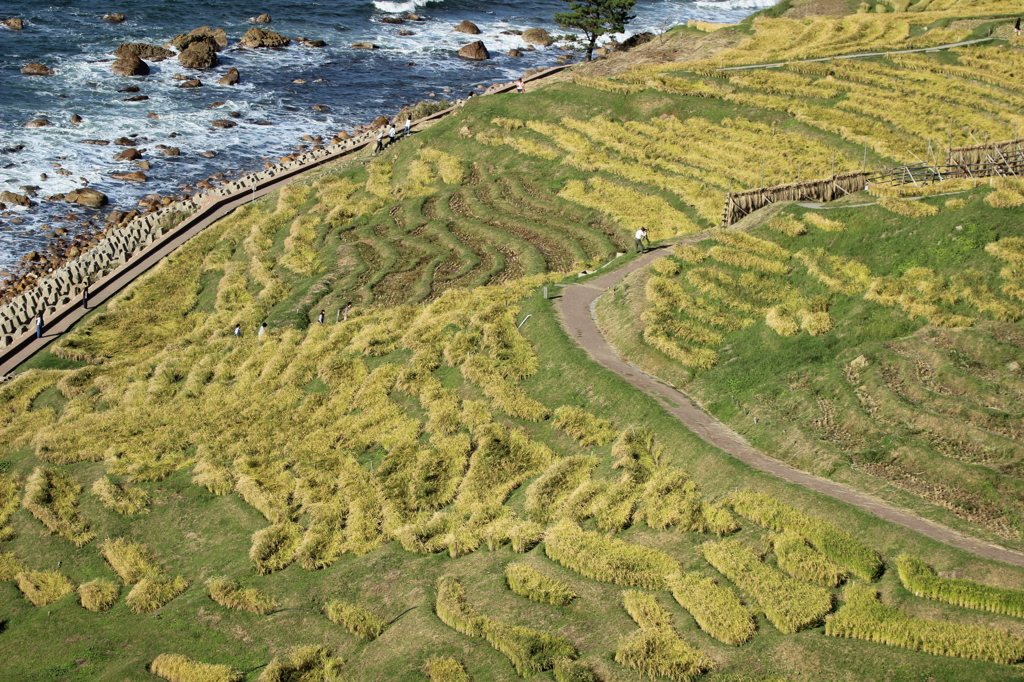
<point>341,501</point>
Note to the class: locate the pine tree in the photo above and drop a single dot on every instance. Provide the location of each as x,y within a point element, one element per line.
<point>596,18</point>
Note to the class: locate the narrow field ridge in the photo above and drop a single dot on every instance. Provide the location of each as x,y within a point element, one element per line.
<point>576,312</point>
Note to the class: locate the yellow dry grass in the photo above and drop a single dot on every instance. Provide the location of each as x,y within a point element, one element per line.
<point>126,500</point>
<point>360,622</point>
<point>178,668</point>
<point>51,495</point>
<point>98,595</point>
<point>152,592</point>
<point>132,561</point>
<point>230,594</point>
<point>42,588</point>
<point>305,664</point>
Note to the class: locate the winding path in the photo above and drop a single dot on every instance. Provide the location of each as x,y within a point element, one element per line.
<point>576,312</point>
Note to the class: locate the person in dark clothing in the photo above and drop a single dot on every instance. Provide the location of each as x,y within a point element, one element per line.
<point>85,296</point>
<point>1016,27</point>
<point>347,310</point>
<point>238,330</point>
<point>320,317</point>
<point>380,142</point>
<point>39,326</point>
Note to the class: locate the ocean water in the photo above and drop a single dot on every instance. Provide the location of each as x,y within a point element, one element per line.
<point>356,86</point>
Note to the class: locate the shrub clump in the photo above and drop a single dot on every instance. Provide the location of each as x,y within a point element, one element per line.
<point>444,669</point>
<point>304,664</point>
<point>42,588</point>
<point>51,495</point>
<point>357,620</point>
<point>10,566</point>
<point>98,595</point>
<point>127,501</point>
<point>824,224</point>
<point>921,579</point>
<point>177,668</point>
<point>273,548</point>
<point>665,266</point>
<point>657,650</point>
<point>230,594</point>
<point>787,225</point>
<point>865,617</point>
<point>528,582</point>
<point>688,253</point>
<point>834,543</point>
<point>584,427</point>
<point>132,561</point>
<point>530,651</point>
<point>716,608</point>
<point>149,594</point>
<point>790,605</point>
<point>803,562</point>
<point>910,209</point>
<point>609,560</point>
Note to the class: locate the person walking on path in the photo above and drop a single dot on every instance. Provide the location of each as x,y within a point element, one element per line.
<point>320,317</point>
<point>1016,27</point>
<point>520,86</point>
<point>85,296</point>
<point>380,142</point>
<point>262,331</point>
<point>640,238</point>
<point>39,326</point>
<point>346,311</point>
<point>391,135</point>
<point>238,330</point>
<point>408,127</point>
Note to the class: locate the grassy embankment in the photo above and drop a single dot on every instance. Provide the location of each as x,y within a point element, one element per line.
<point>338,472</point>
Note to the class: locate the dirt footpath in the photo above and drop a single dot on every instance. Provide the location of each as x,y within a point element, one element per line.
<point>575,309</point>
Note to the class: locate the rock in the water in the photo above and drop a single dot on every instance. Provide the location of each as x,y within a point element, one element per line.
<point>125,142</point>
<point>153,53</point>
<point>16,199</point>
<point>133,176</point>
<point>199,55</point>
<point>537,36</point>
<point>314,43</point>
<point>413,17</point>
<point>36,69</point>
<point>514,53</point>
<point>217,37</point>
<point>142,165</point>
<point>476,51</point>
<point>37,123</point>
<point>102,143</point>
<point>14,23</point>
<point>223,123</point>
<point>258,37</point>
<point>87,197</point>
<point>172,151</point>
<point>137,98</point>
<point>128,155</point>
<point>76,119</point>
<point>130,88</point>
<point>130,65</point>
<point>115,18</point>
<point>391,20</point>
<point>406,32</point>
<point>192,83</point>
<point>261,19</point>
<point>467,27</point>
<point>230,78</point>
<point>320,107</point>
<point>209,155</point>
<point>364,46</point>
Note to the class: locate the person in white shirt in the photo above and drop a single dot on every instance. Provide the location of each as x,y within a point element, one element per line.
<point>263,330</point>
<point>640,238</point>
<point>391,134</point>
<point>380,141</point>
<point>408,127</point>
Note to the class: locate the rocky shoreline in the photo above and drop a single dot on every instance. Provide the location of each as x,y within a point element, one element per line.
<point>53,282</point>
<point>74,235</point>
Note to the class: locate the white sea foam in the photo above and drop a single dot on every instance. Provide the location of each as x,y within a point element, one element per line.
<point>396,7</point>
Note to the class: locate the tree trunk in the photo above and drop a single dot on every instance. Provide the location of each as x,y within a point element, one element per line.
<point>590,48</point>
